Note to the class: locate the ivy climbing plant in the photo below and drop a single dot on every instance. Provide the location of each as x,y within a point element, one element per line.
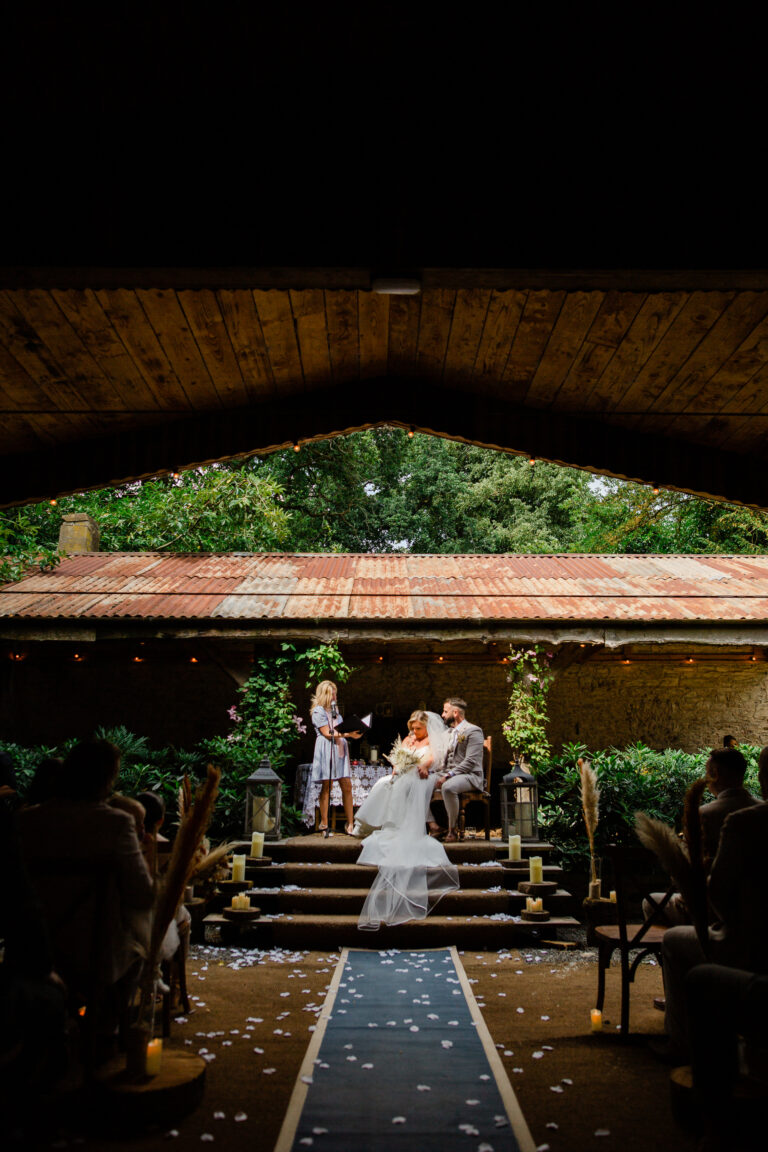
<point>525,728</point>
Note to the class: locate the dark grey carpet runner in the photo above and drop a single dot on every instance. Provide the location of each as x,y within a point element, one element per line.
<point>401,1058</point>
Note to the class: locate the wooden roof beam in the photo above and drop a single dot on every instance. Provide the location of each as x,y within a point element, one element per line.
<point>562,438</point>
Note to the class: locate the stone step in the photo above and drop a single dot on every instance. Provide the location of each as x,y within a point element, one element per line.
<point>349,901</point>
<point>340,848</point>
<point>340,875</point>
<point>329,932</point>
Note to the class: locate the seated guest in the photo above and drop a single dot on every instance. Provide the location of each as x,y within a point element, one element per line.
<point>85,860</point>
<point>725,780</point>
<point>154,815</point>
<point>738,896</point>
<point>723,1005</point>
<point>725,771</point>
<point>46,781</point>
<point>762,772</point>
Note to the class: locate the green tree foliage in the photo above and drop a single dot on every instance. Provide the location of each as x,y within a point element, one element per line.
<point>622,517</point>
<point>231,508</point>
<point>382,491</point>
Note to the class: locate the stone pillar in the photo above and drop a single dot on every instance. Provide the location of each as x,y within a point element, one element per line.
<point>79,532</point>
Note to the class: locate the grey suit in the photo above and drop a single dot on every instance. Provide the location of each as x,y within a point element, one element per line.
<point>464,768</point>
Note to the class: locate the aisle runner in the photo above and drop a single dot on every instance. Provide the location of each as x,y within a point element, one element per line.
<point>401,1058</point>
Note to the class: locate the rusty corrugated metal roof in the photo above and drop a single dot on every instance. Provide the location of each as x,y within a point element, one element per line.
<point>356,588</point>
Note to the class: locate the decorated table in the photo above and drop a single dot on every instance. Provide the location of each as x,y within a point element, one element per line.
<point>306,793</point>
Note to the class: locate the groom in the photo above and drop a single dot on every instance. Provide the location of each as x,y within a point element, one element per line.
<point>464,762</point>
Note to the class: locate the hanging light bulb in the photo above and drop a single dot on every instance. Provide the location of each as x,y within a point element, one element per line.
<point>296,446</point>
<point>532,460</point>
<point>411,431</point>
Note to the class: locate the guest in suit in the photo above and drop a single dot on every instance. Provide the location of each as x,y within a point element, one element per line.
<point>725,780</point>
<point>762,772</point>
<point>726,768</point>
<point>86,863</point>
<point>738,895</point>
<point>464,765</point>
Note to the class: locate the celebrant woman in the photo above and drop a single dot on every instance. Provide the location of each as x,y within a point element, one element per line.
<point>414,869</point>
<point>331,759</point>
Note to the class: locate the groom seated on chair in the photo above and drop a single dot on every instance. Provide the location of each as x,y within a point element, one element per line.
<point>463,765</point>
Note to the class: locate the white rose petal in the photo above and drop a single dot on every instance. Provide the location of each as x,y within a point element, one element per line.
<point>551,1124</point>
<point>320,1131</point>
<point>423,1088</point>
<point>172,1134</point>
<point>307,1080</point>
<point>306,1140</point>
<point>566,1080</point>
<point>556,1088</point>
<point>207,1137</point>
<point>471,1102</point>
<point>260,1051</point>
<point>269,1071</point>
<point>447,1043</point>
<point>240,1116</point>
<point>537,1055</point>
<point>602,1132</point>
<point>398,1119</point>
<point>414,1028</point>
<point>219,1115</point>
<point>366,1066</point>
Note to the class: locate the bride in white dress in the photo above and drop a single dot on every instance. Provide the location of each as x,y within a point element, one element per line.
<point>414,869</point>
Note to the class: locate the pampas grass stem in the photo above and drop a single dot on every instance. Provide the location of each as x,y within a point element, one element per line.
<point>170,889</point>
<point>590,806</point>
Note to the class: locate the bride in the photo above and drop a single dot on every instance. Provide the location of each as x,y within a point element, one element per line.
<point>414,869</point>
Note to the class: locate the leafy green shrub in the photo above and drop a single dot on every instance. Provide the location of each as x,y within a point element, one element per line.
<point>632,779</point>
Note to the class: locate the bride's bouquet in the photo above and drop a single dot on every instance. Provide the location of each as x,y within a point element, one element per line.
<point>402,759</point>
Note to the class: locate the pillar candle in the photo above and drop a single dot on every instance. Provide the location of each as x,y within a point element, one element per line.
<point>515,850</point>
<point>536,870</point>
<point>238,867</point>
<point>612,896</point>
<point>596,1018</point>
<point>154,1056</point>
<point>257,844</point>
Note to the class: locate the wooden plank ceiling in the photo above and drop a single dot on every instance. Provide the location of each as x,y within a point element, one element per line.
<point>103,380</point>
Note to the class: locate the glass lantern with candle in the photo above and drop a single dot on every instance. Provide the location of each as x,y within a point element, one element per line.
<point>263,799</point>
<point>519,804</point>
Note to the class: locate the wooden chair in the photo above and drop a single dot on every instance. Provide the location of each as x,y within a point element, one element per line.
<point>635,876</point>
<point>175,978</point>
<point>475,796</point>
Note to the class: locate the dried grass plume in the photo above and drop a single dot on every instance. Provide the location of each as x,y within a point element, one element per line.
<point>590,806</point>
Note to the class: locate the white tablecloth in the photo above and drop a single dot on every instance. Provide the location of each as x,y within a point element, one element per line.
<point>306,793</point>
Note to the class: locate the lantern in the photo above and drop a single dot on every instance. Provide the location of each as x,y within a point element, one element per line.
<point>519,804</point>
<point>262,802</point>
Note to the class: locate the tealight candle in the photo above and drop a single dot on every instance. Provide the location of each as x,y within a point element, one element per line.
<point>612,896</point>
<point>238,867</point>
<point>257,844</point>
<point>596,1019</point>
<point>529,903</point>
<point>154,1056</point>
<point>515,848</point>
<point>536,870</point>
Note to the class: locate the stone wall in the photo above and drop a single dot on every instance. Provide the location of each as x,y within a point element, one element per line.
<point>663,702</point>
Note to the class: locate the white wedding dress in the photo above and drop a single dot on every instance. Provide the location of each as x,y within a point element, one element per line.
<point>414,869</point>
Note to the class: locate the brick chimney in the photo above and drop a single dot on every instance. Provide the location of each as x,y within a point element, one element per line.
<point>79,532</point>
